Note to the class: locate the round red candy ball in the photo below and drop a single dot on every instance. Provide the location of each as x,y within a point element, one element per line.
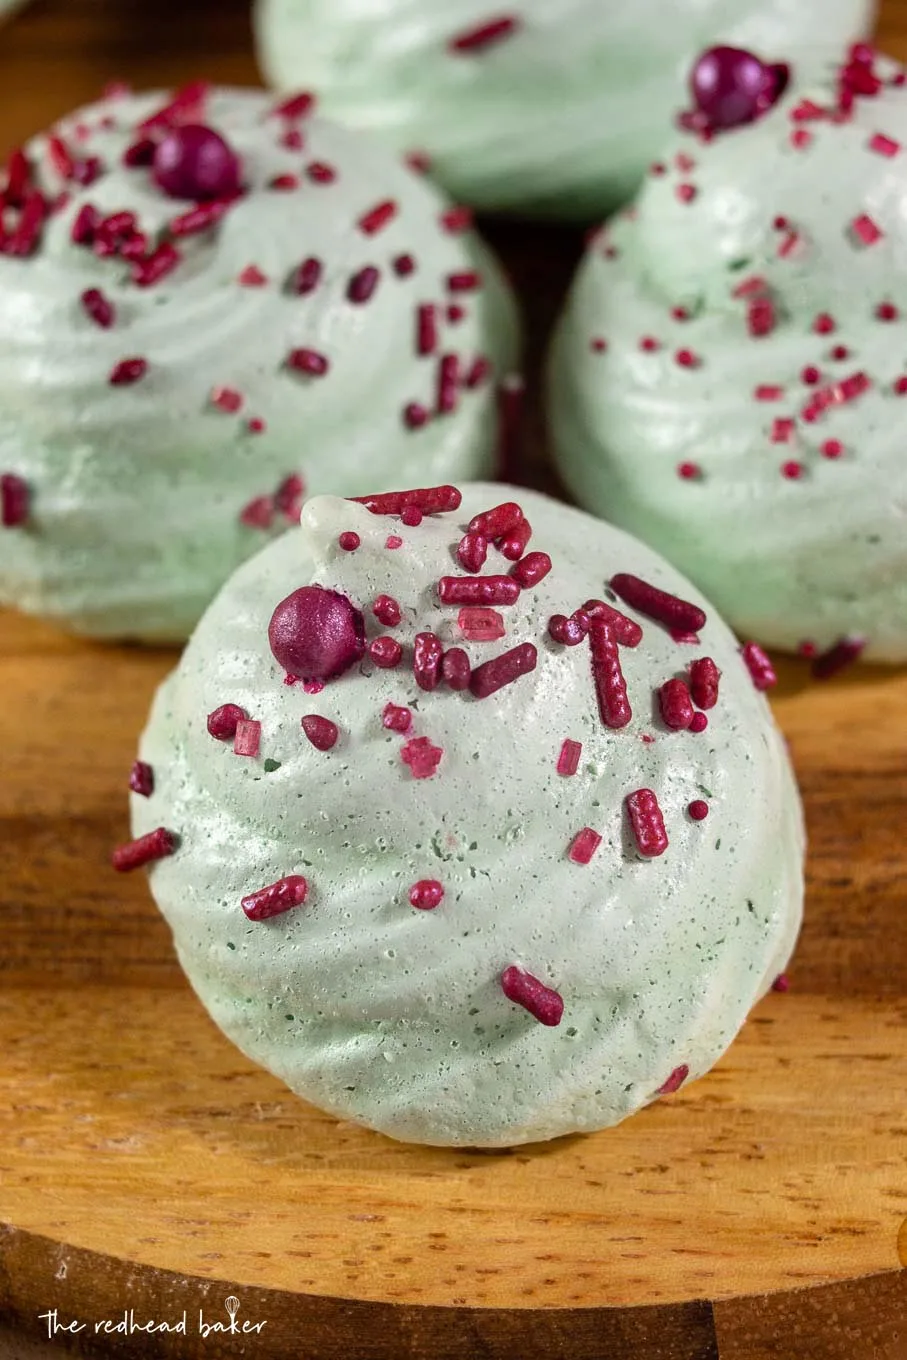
<point>316,633</point>
<point>195,162</point>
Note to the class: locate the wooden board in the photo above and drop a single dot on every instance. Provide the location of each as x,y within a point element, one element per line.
<point>145,1164</point>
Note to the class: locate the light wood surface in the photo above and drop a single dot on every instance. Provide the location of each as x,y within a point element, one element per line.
<point>144,1163</point>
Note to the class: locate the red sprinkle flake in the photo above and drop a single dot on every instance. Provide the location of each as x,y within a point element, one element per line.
<point>141,779</point>
<point>647,823</point>
<point>658,604</point>
<point>386,652</point>
<point>377,218</point>
<point>276,898</point>
<point>202,217</point>
<point>698,809</point>
<point>431,500</point>
<point>781,983</point>
<point>422,758</point>
<point>363,284</point>
<point>448,383</point>
<point>783,430</point>
<point>531,569</point>
<point>543,1003</point>
<point>832,448</point>
<point>258,513</point>
<point>248,737</point>
<point>792,470</point>
<point>128,371</point>
<point>321,732</point>
<point>396,718</point>
<point>226,399</point>
<point>98,307</point>
<point>415,415</point>
<point>686,192</point>
<point>478,590</point>
<point>427,654</point>
<point>887,311</point>
<point>704,678</point>
<point>824,324</point>
<point>456,219</point>
<point>393,541</point>
<point>14,500</point>
<point>466,281</point>
<point>308,361</point>
<point>690,472</point>
<point>676,705</point>
<point>513,544</point>
<point>700,722</point>
<point>252,277</point>
<point>494,524</point>
<point>472,551</point>
<point>306,276</point>
<point>883,146</point>
<point>387,611</point>
<point>627,631</point>
<point>426,329</point>
<point>760,316</point>
<point>427,894</point>
<point>321,173</point>
<point>866,230</point>
<point>568,760</point>
<point>480,625</point>
<point>503,670</point>
<point>349,540</point>
<point>484,35</point>
<point>837,658</point>
<point>610,685</point>
<point>768,392</point>
<point>403,266</point>
<point>674,1081</point>
<point>223,722</point>
<point>295,106</point>
<point>156,845</point>
<point>759,666</point>
<point>584,845</point>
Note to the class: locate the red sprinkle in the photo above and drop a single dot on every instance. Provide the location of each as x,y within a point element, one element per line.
<point>378,217</point>
<point>363,284</point>
<point>396,718</point>
<point>689,471</point>
<point>276,898</point>
<point>568,632</point>
<point>647,823</point>
<point>295,106</point>
<point>768,392</point>
<point>427,894</point>
<point>698,809</point>
<point>484,35</point>
<point>415,415</point>
<point>781,983</point>
<point>686,192</point>
<point>759,666</point>
<point>252,277</point>
<point>584,845</point>
<point>156,845</point>
<point>140,152</point>
<point>308,361</point>
<point>760,316</point>
<point>403,265</point>
<point>783,430</point>
<point>321,732</point>
<point>472,551</point>
<point>792,470</point>
<point>185,106</point>
<point>84,225</point>
<point>480,625</point>
<point>887,311</point>
<point>202,217</point>
<point>430,500</point>
<point>141,779</point>
<point>393,541</point>
<point>156,266</point>
<point>387,611</point>
<point>456,219</point>
<point>513,544</point>
<point>426,329</point>
<point>866,230</point>
<point>478,590</point>
<point>610,685</point>
<point>627,631</point>
<point>466,281</point>
<point>568,760</point>
<point>306,276</point>
<point>223,722</point>
<point>320,173</point>
<point>493,675</point>
<point>247,741</point>
<point>226,399</point>
<point>448,383</point>
<point>498,522</point>
<point>98,307</point>
<point>427,653</point>
<point>128,371</point>
<point>422,758</point>
<point>545,1004</point>
<point>700,722</point>
<point>481,368</point>
<point>674,1081</point>
<point>386,652</point>
<point>658,604</point>
<point>456,671</point>
<point>687,359</point>
<point>838,658</point>
<point>676,705</point>
<point>531,569</point>
<point>824,324</point>
<point>258,513</point>
<point>884,146</point>
<point>411,516</point>
<point>348,540</point>
<point>704,678</point>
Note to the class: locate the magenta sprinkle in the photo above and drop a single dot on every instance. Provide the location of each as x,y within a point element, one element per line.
<point>698,810</point>
<point>222,723</point>
<point>415,415</point>
<point>377,218</point>
<point>321,732</point>
<point>308,361</point>
<point>200,218</point>
<point>866,230</point>
<point>448,383</point>
<point>276,898</point>
<point>84,225</point>
<point>427,653</point>
<point>247,741</point>
<point>479,370</point>
<point>647,823</point>
<point>393,541</point>
<point>226,399</point>
<point>531,569</point>
<point>467,281</point>
<point>494,524</point>
<point>98,307</point>
<point>386,652</point>
<point>348,540</point>
<point>568,632</point>
<point>430,500</point>
<point>478,624</point>
<point>884,146</point>
<point>781,983</point>
<point>363,284</point>
<point>128,371</point>
<point>699,723</point>
<point>195,162</point>
<point>396,718</point>
<point>427,894</point>
<point>289,495</point>
<point>568,760</point>
<point>316,633</point>
<point>426,329</point>
<point>478,590</point>
<point>674,1081</point>
<point>141,779</point>
<point>493,675</point>
<point>514,542</point>
<point>422,758</point>
<point>676,705</point>
<point>472,551</point>
<point>704,678</point>
<point>837,658</point>
<point>319,173</point>
<point>156,266</point>
<point>187,103</point>
<point>610,685</point>
<point>403,266</point>
<point>258,513</point>
<point>627,631</point>
<point>545,1004</point>
<point>759,666</point>
<point>306,276</point>
<point>155,845</point>
<point>387,611</point>
<point>295,106</point>
<point>484,35</point>
<point>457,219</point>
<point>584,845</point>
<point>658,604</point>
<point>140,153</point>
<point>14,500</point>
<point>456,671</point>
<point>760,316</point>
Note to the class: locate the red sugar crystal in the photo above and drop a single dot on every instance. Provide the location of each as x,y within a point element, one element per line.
<point>141,779</point>
<point>674,1081</point>
<point>704,678</point>
<point>320,173</point>
<point>202,217</point>
<point>478,590</point>
<point>484,35</point>
<point>545,1004</point>
<point>426,329</point>
<point>647,823</point>
<point>308,686</point>
<point>760,316</point>
<point>363,284</point>
<point>627,631</point>
<point>781,983</point>
<point>472,551</point>
<point>431,500</point>
<point>248,737</point>
<point>222,723</point>
<point>866,230</point>
<point>295,105</point>
<point>308,361</point>
<point>610,685</point>
<point>427,894</point>
<point>531,569</point>
<point>837,658</point>
<point>155,845</point>
<point>465,281</point>
<point>321,732</point>
<point>378,217</point>
<point>658,604</point>
<point>783,430</point>
<point>14,500</point>
<point>226,399</point>
<point>252,277</point>
<point>415,415</point>
<point>584,845</point>
<point>456,219</point>
<point>306,276</point>
<point>289,494</point>
<point>456,671</point>
<point>422,758</point>
<point>348,540</point>
<point>568,760</point>
<point>495,523</point>
<point>276,898</point>
<point>768,392</point>
<point>493,675</point>
<point>698,809</point>
<point>396,718</point>
<point>98,307</point>
<point>128,371</point>
<point>316,633</point>
<point>700,722</point>
<point>387,611</point>
<point>480,625</point>
<point>403,265</point>
<point>568,632</point>
<point>884,146</point>
<point>676,705</point>
<point>393,541</point>
<point>386,652</point>
<point>427,653</point>
<point>759,666</point>
<point>513,544</point>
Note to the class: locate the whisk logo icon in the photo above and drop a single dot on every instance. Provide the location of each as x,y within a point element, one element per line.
<point>232,1306</point>
<point>232,1328</point>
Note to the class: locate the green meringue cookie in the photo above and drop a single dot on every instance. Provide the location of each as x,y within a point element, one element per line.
<point>561,116</point>
<point>793,514</point>
<point>136,491</point>
<point>396,1017</point>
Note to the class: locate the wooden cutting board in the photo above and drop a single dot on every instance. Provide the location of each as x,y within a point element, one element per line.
<point>146,1166</point>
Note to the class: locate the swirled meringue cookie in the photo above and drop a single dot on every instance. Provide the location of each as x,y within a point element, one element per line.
<point>522,901</point>
<point>730,374</point>
<point>553,107</point>
<point>175,375</point>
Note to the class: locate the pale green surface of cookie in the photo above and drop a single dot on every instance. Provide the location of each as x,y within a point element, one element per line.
<point>560,118</point>
<point>136,491</point>
<point>395,1017</point>
<point>812,557</point>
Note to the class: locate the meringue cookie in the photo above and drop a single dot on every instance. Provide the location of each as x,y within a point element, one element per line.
<point>435,839</point>
<point>756,440</point>
<point>553,107</point>
<point>148,453</point>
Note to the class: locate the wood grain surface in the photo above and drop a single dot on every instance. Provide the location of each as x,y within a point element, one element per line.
<point>759,1215</point>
